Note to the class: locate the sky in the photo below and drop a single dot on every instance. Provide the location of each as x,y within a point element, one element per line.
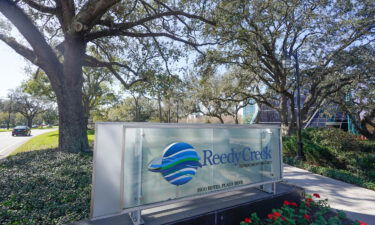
<point>12,71</point>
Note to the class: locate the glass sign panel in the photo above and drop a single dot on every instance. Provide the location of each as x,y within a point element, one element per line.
<point>162,164</point>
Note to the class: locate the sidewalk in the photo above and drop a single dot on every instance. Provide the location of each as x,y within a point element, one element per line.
<point>358,203</point>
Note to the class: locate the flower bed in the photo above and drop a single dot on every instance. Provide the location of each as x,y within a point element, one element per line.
<point>312,210</point>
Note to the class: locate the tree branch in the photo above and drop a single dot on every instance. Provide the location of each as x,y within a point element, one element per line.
<point>41,8</point>
<point>20,49</point>
<point>109,33</point>
<point>66,13</point>
<point>91,61</point>
<point>91,12</point>
<point>46,56</point>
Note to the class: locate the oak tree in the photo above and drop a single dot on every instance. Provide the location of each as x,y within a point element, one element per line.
<point>259,35</point>
<point>55,35</point>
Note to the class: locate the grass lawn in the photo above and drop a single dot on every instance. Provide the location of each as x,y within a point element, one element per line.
<point>4,130</point>
<point>43,128</point>
<point>46,141</point>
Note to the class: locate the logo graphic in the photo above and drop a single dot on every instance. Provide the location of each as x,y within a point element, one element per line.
<point>178,164</point>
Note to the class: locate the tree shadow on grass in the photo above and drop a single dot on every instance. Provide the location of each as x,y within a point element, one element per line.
<point>53,135</point>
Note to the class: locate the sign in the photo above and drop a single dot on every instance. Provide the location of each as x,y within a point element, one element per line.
<point>140,165</point>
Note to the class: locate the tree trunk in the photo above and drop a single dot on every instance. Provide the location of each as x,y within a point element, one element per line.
<point>29,121</point>
<point>87,115</point>
<point>362,129</point>
<point>221,119</point>
<point>160,112</point>
<point>236,121</point>
<point>137,119</point>
<point>86,106</point>
<point>177,113</point>
<point>293,121</point>
<point>9,112</point>
<point>169,111</point>
<point>72,125</point>
<point>284,116</point>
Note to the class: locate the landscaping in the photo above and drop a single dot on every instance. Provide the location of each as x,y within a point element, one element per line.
<point>311,210</point>
<point>46,141</point>
<point>42,185</point>
<point>336,154</point>
<point>45,187</point>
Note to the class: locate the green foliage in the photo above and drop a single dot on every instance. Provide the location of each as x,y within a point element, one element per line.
<point>334,138</point>
<point>338,174</point>
<point>45,187</point>
<point>311,210</point>
<point>219,95</point>
<point>137,109</point>
<point>334,153</point>
<point>259,35</point>
<point>314,153</point>
<point>367,146</point>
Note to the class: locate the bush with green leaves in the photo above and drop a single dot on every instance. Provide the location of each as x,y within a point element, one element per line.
<point>311,211</point>
<point>45,187</point>
<point>343,175</point>
<point>336,139</point>
<point>341,154</point>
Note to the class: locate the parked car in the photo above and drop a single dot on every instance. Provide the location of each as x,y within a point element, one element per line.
<point>21,130</point>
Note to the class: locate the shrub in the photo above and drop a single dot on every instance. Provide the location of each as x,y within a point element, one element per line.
<point>334,148</point>
<point>336,139</point>
<point>314,153</point>
<point>45,187</point>
<point>312,210</point>
<point>367,146</point>
<point>361,180</point>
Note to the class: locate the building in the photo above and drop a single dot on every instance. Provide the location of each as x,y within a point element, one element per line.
<point>329,116</point>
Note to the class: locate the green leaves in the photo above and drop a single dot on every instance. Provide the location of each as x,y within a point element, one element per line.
<point>45,188</point>
<point>335,153</point>
<point>309,211</point>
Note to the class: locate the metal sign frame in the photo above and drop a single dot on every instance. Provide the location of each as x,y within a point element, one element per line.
<point>135,212</point>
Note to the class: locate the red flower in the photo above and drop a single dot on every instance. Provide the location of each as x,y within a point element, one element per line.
<point>308,204</point>
<point>274,216</point>
<point>308,217</point>
<point>247,220</point>
<point>316,195</point>
<point>283,219</point>
<point>309,200</point>
<point>286,202</point>
<point>361,222</point>
<point>293,204</point>
<point>277,214</point>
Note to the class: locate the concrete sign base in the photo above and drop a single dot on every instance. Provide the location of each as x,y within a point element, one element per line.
<point>225,208</point>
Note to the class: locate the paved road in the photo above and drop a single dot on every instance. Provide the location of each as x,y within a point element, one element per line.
<point>9,143</point>
<point>358,203</point>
